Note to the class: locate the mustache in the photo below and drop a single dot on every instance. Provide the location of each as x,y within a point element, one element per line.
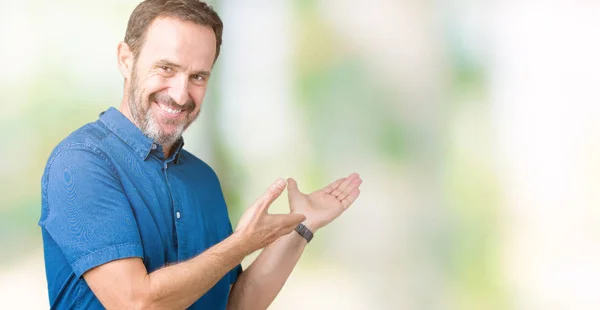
<point>165,99</point>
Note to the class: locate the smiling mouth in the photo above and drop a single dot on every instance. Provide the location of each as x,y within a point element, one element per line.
<point>168,109</point>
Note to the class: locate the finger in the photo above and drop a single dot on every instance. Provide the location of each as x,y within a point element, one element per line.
<point>272,193</point>
<point>337,191</point>
<point>290,220</point>
<point>292,185</point>
<point>344,184</point>
<point>352,186</point>
<point>286,230</point>
<point>346,202</point>
<point>329,188</point>
<point>290,228</point>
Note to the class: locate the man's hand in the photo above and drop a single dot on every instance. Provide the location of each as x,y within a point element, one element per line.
<point>126,284</point>
<point>258,285</point>
<point>259,228</point>
<point>323,206</point>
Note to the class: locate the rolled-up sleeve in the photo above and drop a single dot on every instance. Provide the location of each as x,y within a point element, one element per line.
<point>235,273</point>
<point>88,214</point>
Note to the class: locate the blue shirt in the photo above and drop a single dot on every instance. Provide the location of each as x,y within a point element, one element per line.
<point>108,193</point>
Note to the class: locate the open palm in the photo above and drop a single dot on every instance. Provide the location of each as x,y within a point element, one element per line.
<point>323,206</point>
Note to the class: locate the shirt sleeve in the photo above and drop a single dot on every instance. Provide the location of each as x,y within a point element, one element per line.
<point>88,214</point>
<point>235,273</point>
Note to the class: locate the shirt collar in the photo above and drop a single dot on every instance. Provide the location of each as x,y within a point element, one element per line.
<point>127,131</point>
<point>177,152</point>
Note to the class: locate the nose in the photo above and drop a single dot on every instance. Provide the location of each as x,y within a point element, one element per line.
<point>179,90</point>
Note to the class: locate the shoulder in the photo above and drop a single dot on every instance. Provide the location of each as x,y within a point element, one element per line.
<point>201,170</point>
<point>83,146</point>
<point>193,162</point>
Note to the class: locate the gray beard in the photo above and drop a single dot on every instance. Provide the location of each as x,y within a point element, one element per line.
<point>153,130</point>
<point>142,117</point>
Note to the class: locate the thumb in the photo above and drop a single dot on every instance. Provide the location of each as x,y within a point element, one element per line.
<point>292,186</point>
<point>290,220</point>
<point>272,193</point>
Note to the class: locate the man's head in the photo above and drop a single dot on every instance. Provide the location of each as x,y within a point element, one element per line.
<point>169,49</point>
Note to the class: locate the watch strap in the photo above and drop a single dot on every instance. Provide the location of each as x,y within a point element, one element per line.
<point>304,232</point>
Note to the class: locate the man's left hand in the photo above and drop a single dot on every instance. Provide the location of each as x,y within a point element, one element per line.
<point>323,206</point>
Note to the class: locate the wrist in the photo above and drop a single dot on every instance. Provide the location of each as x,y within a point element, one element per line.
<point>242,242</point>
<point>304,232</point>
<point>312,226</point>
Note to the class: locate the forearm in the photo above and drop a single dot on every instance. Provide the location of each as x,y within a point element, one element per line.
<point>180,285</point>
<point>126,284</point>
<point>259,284</point>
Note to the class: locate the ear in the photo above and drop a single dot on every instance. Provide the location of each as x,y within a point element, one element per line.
<point>125,60</point>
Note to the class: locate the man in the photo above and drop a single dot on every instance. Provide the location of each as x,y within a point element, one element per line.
<point>130,220</point>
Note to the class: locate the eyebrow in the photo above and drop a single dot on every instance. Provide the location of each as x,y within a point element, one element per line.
<point>168,63</point>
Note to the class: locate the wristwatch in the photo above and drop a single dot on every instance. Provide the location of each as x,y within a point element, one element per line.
<point>304,232</point>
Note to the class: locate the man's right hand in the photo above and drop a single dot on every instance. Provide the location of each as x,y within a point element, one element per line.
<point>258,228</point>
<point>126,284</point>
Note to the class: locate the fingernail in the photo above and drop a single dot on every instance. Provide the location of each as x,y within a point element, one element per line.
<point>280,183</point>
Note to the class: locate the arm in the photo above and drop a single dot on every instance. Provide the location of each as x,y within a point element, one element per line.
<point>125,283</point>
<point>260,283</point>
<point>257,286</point>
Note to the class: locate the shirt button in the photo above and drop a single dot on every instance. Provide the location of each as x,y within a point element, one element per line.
<point>178,215</point>
<point>154,146</point>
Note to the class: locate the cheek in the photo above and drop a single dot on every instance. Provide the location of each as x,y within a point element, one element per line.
<point>198,97</point>
<point>152,85</point>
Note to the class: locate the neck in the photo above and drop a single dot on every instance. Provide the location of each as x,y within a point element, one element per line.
<point>124,108</point>
<point>167,150</point>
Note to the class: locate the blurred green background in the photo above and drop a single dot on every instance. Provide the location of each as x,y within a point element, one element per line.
<point>474,125</point>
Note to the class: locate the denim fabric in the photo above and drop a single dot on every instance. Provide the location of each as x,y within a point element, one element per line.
<point>108,193</point>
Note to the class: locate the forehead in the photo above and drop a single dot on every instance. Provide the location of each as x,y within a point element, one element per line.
<point>184,42</point>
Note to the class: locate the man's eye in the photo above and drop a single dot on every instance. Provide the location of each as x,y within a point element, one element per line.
<point>198,77</point>
<point>165,69</point>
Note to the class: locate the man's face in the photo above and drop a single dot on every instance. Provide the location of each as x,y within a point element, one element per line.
<point>169,78</point>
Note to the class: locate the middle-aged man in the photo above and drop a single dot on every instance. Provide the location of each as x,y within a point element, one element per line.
<point>130,220</point>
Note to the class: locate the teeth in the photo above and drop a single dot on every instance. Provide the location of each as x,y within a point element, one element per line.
<point>168,110</point>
